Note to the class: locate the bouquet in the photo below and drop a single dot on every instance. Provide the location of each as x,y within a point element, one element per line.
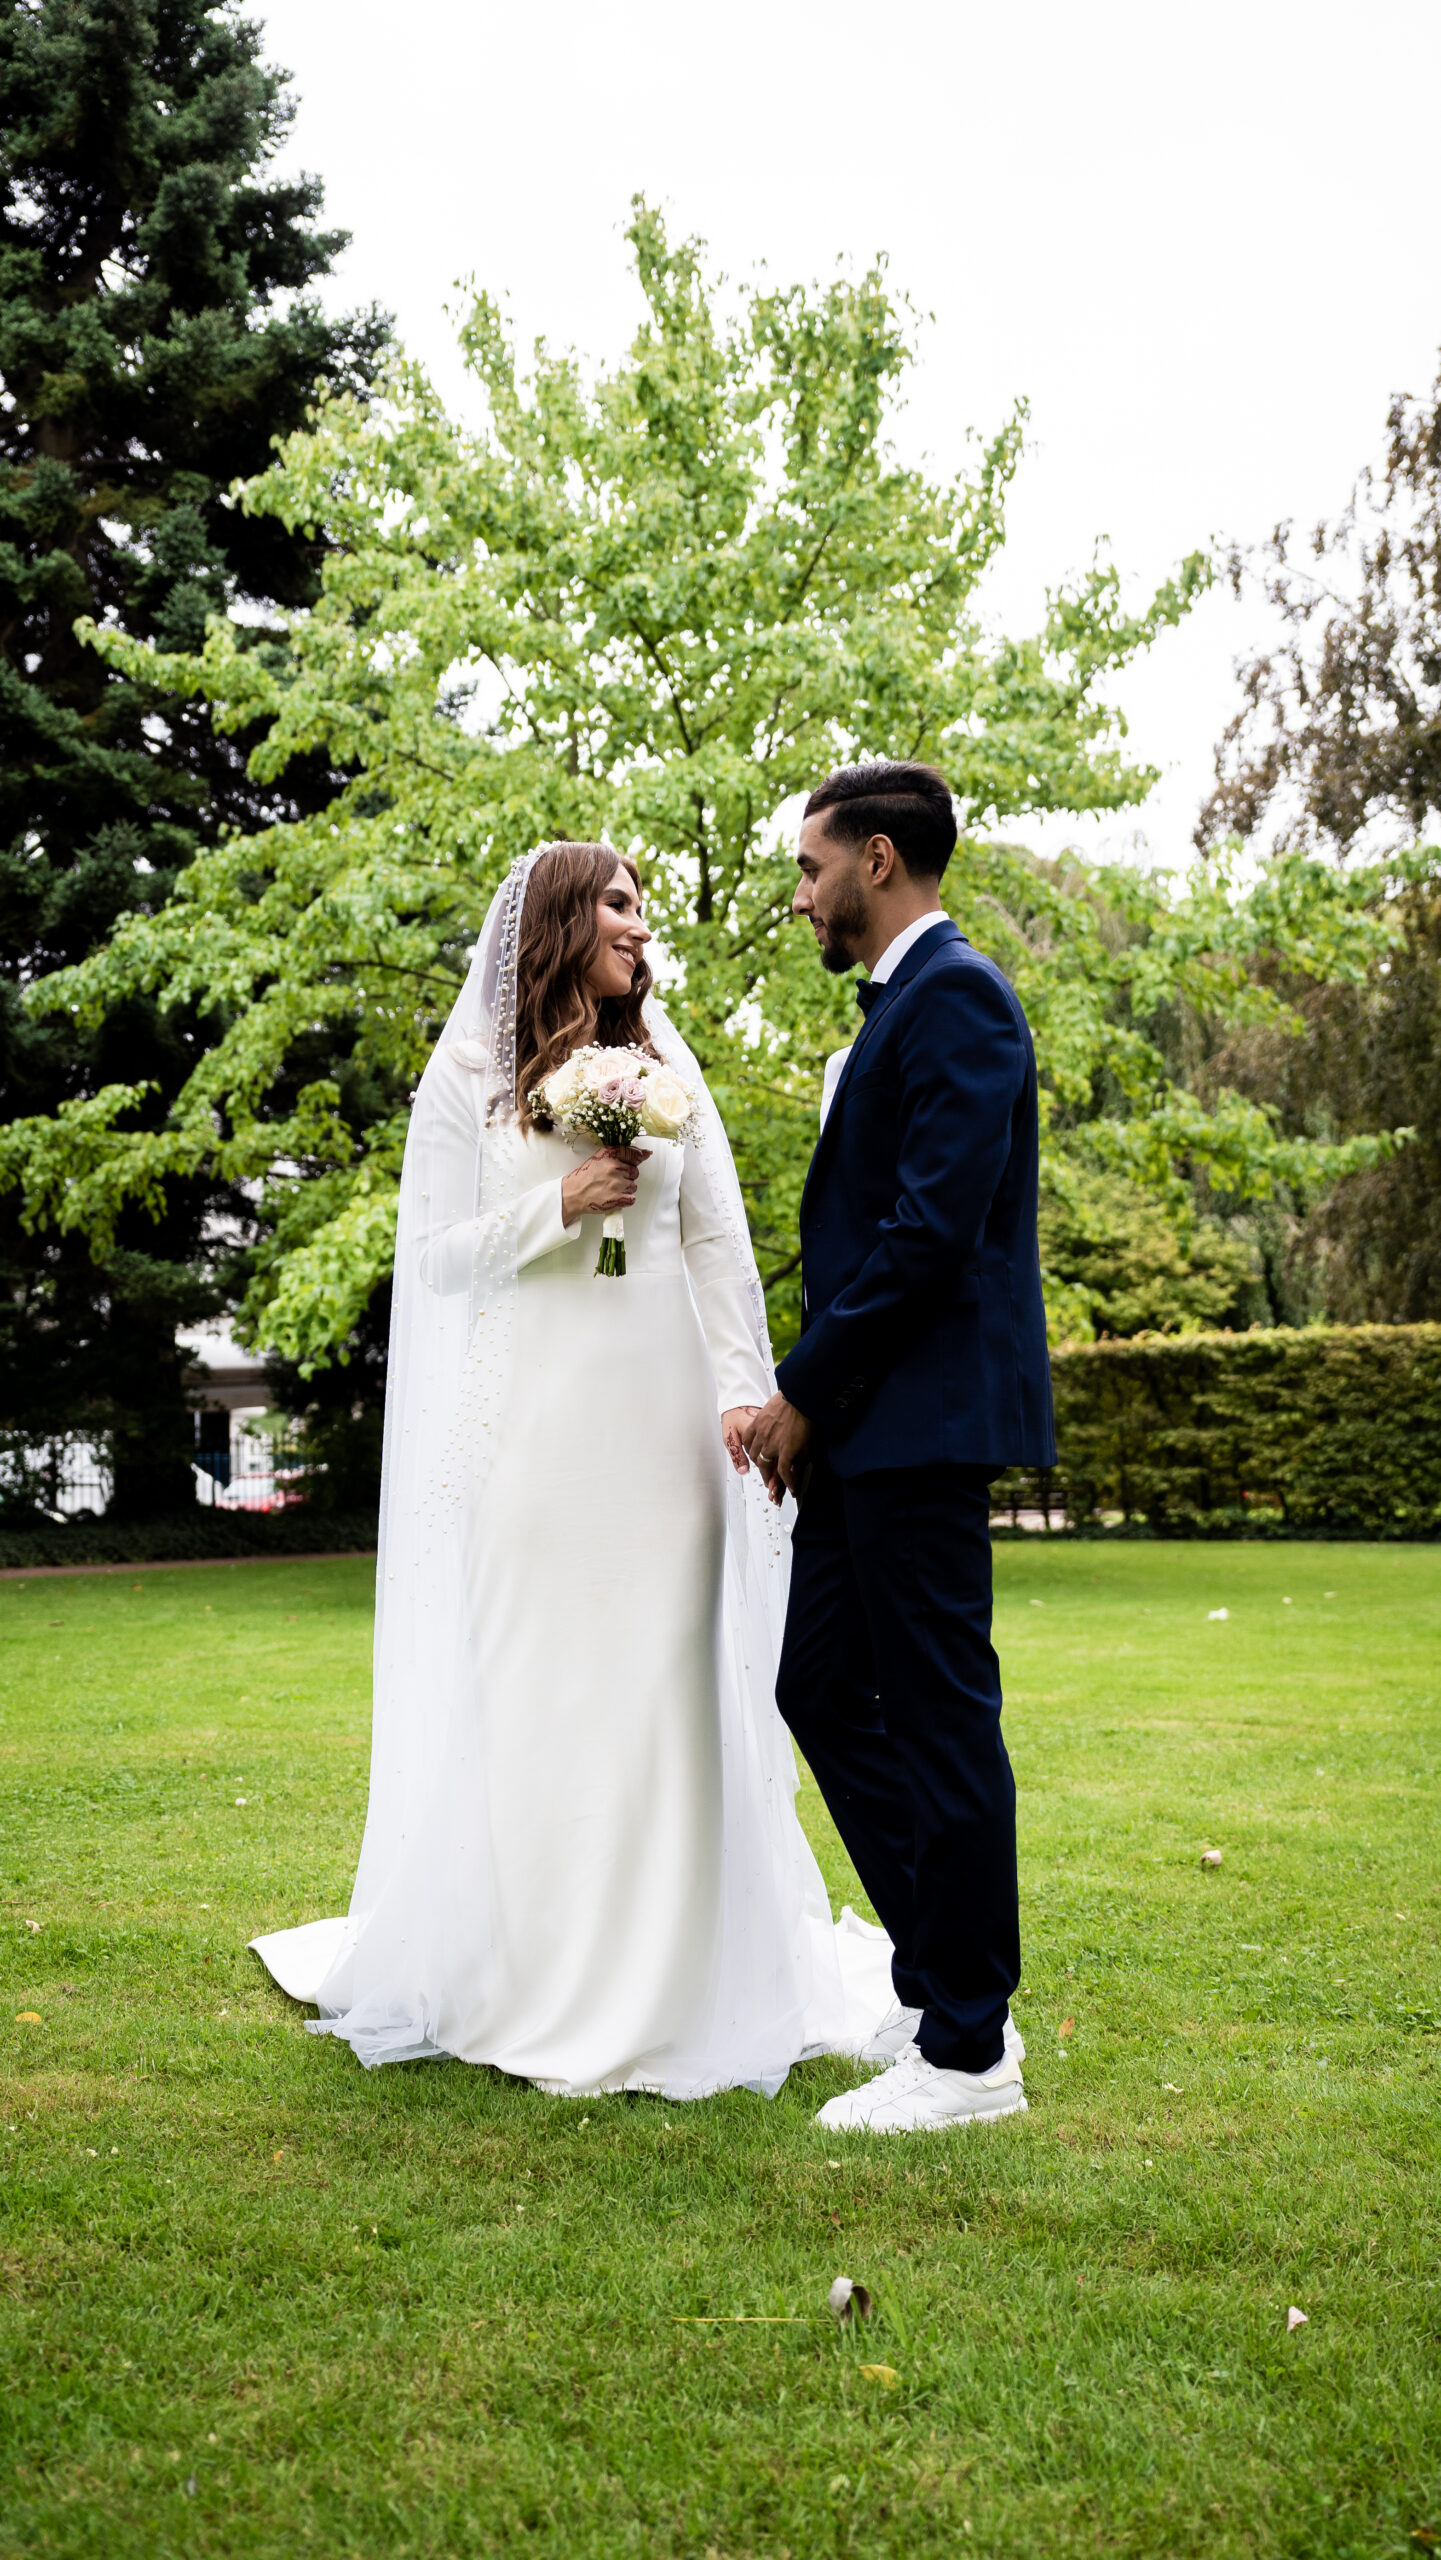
<point>617,1096</point>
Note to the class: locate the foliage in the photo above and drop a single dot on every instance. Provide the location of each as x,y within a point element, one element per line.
<point>1339,729</point>
<point>1131,980</point>
<point>1370,1056</point>
<point>1337,743</point>
<point>335,1416</point>
<point>658,606</point>
<point>1128,1266</point>
<point>455,2316</point>
<point>1329,1428</point>
<point>155,333</point>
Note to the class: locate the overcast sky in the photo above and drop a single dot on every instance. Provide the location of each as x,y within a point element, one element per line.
<point>1201,242</point>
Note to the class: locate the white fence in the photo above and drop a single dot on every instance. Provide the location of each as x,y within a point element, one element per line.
<point>238,1466</point>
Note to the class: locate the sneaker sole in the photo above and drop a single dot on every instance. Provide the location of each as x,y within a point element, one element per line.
<point>1014,2106</point>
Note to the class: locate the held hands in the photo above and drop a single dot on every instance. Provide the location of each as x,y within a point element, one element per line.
<point>604,1183</point>
<point>778,1438</point>
<point>735,1423</point>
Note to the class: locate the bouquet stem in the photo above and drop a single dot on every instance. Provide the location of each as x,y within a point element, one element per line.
<point>610,1262</point>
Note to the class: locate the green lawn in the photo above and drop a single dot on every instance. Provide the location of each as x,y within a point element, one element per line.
<point>257,2301</point>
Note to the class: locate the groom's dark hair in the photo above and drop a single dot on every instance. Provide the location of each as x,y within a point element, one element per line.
<point>910,803</point>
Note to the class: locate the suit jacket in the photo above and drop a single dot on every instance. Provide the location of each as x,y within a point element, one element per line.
<point>923,1334</point>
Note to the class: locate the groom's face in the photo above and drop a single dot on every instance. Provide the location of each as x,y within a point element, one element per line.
<point>831,894</point>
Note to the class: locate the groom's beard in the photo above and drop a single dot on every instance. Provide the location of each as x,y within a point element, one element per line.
<point>845,926</point>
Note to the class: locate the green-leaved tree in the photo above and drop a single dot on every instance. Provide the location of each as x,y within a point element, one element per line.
<point>657,605</point>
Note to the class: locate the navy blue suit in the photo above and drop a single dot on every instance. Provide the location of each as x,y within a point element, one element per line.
<point>922,1366</point>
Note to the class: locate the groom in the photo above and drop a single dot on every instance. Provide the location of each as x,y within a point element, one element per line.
<point>919,1375</point>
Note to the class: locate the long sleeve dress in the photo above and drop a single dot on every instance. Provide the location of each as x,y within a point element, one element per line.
<point>597,1556</point>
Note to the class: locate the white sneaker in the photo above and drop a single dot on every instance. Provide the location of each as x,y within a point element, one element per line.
<point>897,2033</point>
<point>894,2036</point>
<point>914,2097</point>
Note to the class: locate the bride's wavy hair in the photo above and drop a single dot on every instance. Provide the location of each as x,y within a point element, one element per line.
<point>555,1011</point>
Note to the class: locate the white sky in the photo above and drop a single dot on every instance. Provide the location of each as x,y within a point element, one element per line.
<point>1201,241</point>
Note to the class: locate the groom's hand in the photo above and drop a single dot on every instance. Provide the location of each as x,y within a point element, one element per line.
<point>777,1440</point>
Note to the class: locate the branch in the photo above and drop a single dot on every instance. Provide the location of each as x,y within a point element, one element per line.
<point>658,662</point>
<point>782,1271</point>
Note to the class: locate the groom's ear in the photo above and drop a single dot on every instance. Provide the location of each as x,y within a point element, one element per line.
<point>881,859</point>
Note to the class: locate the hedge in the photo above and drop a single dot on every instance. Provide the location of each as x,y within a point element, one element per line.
<point>1333,1430</point>
<point>190,1537</point>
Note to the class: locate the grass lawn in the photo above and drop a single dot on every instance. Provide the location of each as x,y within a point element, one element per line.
<point>258,2301</point>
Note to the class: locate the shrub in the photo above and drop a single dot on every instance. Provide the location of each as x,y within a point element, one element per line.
<point>1332,1430</point>
<point>198,1537</point>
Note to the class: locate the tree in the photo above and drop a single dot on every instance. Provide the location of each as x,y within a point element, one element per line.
<point>1370,1251</point>
<point>1337,744</point>
<point>1339,728</point>
<point>155,335</point>
<point>659,606</point>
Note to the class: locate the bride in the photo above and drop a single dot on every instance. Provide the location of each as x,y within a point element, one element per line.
<point>582,1861</point>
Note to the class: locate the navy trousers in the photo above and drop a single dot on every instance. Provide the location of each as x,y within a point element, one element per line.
<point>890,1685</point>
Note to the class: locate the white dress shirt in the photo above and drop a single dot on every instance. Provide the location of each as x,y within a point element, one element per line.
<point>890,959</point>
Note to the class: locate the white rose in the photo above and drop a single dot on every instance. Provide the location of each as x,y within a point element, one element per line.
<point>667,1104</point>
<point>563,1088</point>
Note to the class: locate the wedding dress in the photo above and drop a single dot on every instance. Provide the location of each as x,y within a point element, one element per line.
<point>582,1860</point>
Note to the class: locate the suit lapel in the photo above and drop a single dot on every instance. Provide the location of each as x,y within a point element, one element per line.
<point>924,949</point>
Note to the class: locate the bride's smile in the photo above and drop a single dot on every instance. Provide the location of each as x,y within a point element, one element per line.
<point>623,937</point>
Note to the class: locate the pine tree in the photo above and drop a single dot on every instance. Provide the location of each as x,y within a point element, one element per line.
<point>156,334</point>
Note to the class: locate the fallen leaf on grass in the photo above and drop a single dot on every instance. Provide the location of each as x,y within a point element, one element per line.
<point>1068,2026</point>
<point>27,2018</point>
<point>1296,2319</point>
<point>885,2374</point>
<point>849,2300</point>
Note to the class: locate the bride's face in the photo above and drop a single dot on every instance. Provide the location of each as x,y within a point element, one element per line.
<point>623,937</point>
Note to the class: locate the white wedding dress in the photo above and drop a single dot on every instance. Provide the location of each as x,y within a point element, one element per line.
<point>587,1868</point>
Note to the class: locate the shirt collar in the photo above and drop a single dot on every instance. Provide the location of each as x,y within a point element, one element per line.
<point>895,952</point>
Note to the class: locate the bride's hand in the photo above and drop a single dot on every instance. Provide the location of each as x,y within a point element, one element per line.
<point>734,1426</point>
<point>604,1183</point>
